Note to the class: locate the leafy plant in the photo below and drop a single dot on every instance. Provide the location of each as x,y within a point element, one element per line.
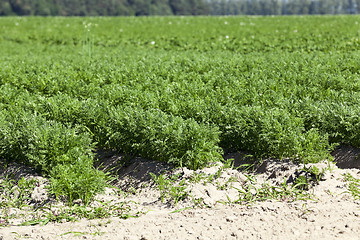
<point>162,137</point>
<point>353,185</point>
<point>76,212</point>
<point>265,90</point>
<point>169,188</point>
<point>251,193</point>
<point>16,193</point>
<point>77,181</point>
<point>307,177</point>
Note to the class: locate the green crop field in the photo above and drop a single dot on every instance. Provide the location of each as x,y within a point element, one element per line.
<point>182,90</point>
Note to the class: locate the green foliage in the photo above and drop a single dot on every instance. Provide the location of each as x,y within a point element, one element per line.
<point>15,193</point>
<point>156,135</point>
<point>60,152</point>
<point>308,177</point>
<point>353,185</point>
<point>178,90</point>
<point>250,192</point>
<point>273,132</point>
<point>42,143</point>
<point>77,181</point>
<point>168,187</point>
<point>76,212</point>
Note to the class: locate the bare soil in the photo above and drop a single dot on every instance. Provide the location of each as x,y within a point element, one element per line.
<point>331,213</point>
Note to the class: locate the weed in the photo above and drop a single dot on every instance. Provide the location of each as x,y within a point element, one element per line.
<point>169,187</point>
<point>229,163</point>
<point>307,177</point>
<point>88,42</point>
<point>16,193</point>
<point>181,209</point>
<point>251,192</point>
<point>198,202</point>
<point>197,177</point>
<point>76,212</point>
<point>353,185</point>
<point>227,184</point>
<point>304,210</point>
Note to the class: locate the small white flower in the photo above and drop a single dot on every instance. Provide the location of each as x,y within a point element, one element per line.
<point>67,25</point>
<point>295,31</point>
<point>120,30</point>
<point>17,24</point>
<point>170,22</point>
<point>226,22</point>
<point>153,42</point>
<point>226,36</point>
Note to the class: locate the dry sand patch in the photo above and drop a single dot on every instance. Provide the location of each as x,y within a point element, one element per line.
<point>332,214</point>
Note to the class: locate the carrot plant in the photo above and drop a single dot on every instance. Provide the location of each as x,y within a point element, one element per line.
<point>279,87</point>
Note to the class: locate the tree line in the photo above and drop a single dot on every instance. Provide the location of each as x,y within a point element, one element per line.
<point>175,7</point>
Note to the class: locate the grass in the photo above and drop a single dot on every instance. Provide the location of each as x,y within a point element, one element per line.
<point>170,188</point>
<point>16,193</point>
<point>76,212</point>
<point>353,185</point>
<point>173,188</point>
<point>16,202</point>
<point>251,193</point>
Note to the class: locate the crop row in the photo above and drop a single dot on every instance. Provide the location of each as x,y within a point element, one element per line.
<point>179,98</point>
<point>199,34</point>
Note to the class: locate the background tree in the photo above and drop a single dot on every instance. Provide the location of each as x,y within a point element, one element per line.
<point>176,7</point>
<point>180,7</point>
<point>160,7</point>
<point>6,9</point>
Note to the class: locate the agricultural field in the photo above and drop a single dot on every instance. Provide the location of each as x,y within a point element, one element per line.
<point>184,91</point>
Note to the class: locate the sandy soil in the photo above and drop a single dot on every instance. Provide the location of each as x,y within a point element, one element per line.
<point>331,214</point>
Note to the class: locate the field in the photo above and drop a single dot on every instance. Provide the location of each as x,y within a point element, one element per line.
<point>184,91</point>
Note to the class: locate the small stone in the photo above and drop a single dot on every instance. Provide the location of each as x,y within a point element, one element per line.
<point>231,219</point>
